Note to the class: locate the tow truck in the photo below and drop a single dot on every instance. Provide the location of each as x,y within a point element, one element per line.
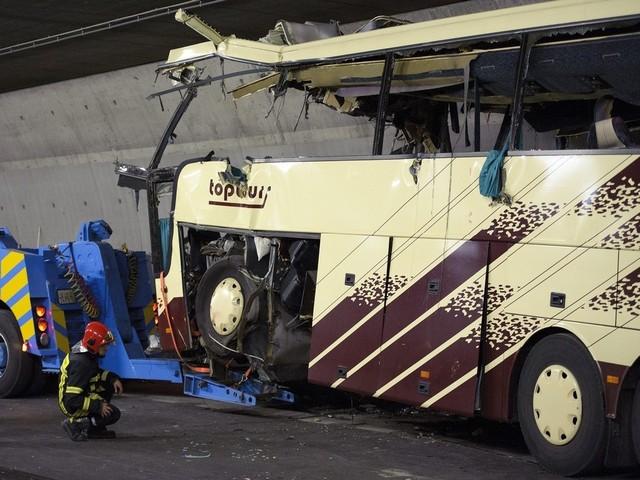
<point>49,293</point>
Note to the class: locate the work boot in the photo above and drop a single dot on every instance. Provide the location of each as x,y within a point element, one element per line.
<point>101,433</point>
<point>77,430</point>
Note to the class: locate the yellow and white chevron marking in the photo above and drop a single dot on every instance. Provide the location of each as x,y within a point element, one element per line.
<point>22,306</point>
<point>10,260</point>
<point>13,275</point>
<point>14,291</point>
<point>17,283</point>
<point>22,311</point>
<point>60,326</point>
<point>28,330</point>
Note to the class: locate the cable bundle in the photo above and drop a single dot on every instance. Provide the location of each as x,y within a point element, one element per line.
<point>81,292</point>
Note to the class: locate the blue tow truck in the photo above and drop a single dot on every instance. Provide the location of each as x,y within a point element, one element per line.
<point>48,294</point>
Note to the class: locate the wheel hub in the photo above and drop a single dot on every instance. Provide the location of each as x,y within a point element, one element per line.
<point>557,404</point>
<point>226,306</point>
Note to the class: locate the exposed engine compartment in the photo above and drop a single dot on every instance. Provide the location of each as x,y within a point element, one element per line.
<point>250,301</point>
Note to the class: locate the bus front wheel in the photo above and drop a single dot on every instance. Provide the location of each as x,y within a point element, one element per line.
<point>16,366</point>
<point>561,406</point>
<point>224,294</point>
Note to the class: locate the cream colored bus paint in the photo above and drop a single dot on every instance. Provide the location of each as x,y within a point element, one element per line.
<point>489,23</point>
<point>336,260</point>
<point>559,269</point>
<point>292,205</point>
<point>620,347</point>
<point>627,294</point>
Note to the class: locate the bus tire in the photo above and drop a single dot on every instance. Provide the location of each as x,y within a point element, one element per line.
<point>635,421</point>
<point>18,365</point>
<point>561,406</point>
<point>221,301</point>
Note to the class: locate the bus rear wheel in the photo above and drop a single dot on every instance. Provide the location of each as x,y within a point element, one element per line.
<point>561,406</point>
<point>16,366</point>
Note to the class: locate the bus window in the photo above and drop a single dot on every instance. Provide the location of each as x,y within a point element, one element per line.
<point>581,92</point>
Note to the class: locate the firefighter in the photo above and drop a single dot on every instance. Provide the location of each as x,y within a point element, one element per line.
<point>85,390</point>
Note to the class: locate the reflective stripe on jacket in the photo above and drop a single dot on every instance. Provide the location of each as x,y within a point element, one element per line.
<point>81,381</point>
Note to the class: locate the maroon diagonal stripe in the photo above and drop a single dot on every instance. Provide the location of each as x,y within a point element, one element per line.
<point>338,321</point>
<point>444,369</point>
<point>470,257</point>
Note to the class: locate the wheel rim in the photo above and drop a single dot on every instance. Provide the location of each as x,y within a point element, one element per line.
<point>226,306</point>
<point>557,404</point>
<point>4,355</point>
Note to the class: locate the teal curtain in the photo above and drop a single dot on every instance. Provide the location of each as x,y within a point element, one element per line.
<point>165,238</point>
<point>491,173</point>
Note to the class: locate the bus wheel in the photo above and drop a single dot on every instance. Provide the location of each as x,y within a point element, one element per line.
<point>561,406</point>
<point>635,421</point>
<point>16,366</point>
<point>224,293</point>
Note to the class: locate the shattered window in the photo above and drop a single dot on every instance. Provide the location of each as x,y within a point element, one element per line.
<point>580,92</point>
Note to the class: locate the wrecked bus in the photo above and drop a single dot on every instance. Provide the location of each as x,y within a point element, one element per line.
<point>391,275</point>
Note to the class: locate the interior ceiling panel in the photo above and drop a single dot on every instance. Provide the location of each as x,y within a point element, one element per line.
<point>149,40</point>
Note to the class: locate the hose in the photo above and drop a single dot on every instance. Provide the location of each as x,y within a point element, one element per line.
<point>79,288</point>
<point>81,292</point>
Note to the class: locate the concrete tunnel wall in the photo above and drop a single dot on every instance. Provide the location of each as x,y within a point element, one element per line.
<point>59,141</point>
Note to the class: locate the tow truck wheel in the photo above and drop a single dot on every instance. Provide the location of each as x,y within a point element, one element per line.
<point>16,366</point>
<point>561,406</point>
<point>38,382</point>
<point>221,301</point>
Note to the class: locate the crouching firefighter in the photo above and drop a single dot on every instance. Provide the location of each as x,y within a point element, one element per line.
<point>85,390</point>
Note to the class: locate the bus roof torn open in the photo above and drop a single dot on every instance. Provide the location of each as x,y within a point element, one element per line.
<point>580,69</point>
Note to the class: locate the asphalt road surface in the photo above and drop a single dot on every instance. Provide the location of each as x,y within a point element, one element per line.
<point>170,436</point>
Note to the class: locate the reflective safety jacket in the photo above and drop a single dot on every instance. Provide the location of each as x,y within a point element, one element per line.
<point>81,383</point>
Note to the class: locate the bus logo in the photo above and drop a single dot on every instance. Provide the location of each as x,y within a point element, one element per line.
<point>245,196</point>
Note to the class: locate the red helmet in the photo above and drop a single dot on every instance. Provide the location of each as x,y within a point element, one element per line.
<point>95,336</point>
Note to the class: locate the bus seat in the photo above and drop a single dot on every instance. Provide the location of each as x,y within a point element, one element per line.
<point>612,133</point>
<point>608,131</point>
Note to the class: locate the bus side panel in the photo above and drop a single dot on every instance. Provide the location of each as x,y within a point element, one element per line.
<point>521,288</point>
<point>627,290</point>
<point>414,263</point>
<point>348,307</point>
<point>423,365</point>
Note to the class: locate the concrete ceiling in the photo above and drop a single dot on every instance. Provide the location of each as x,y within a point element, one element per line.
<point>149,40</point>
